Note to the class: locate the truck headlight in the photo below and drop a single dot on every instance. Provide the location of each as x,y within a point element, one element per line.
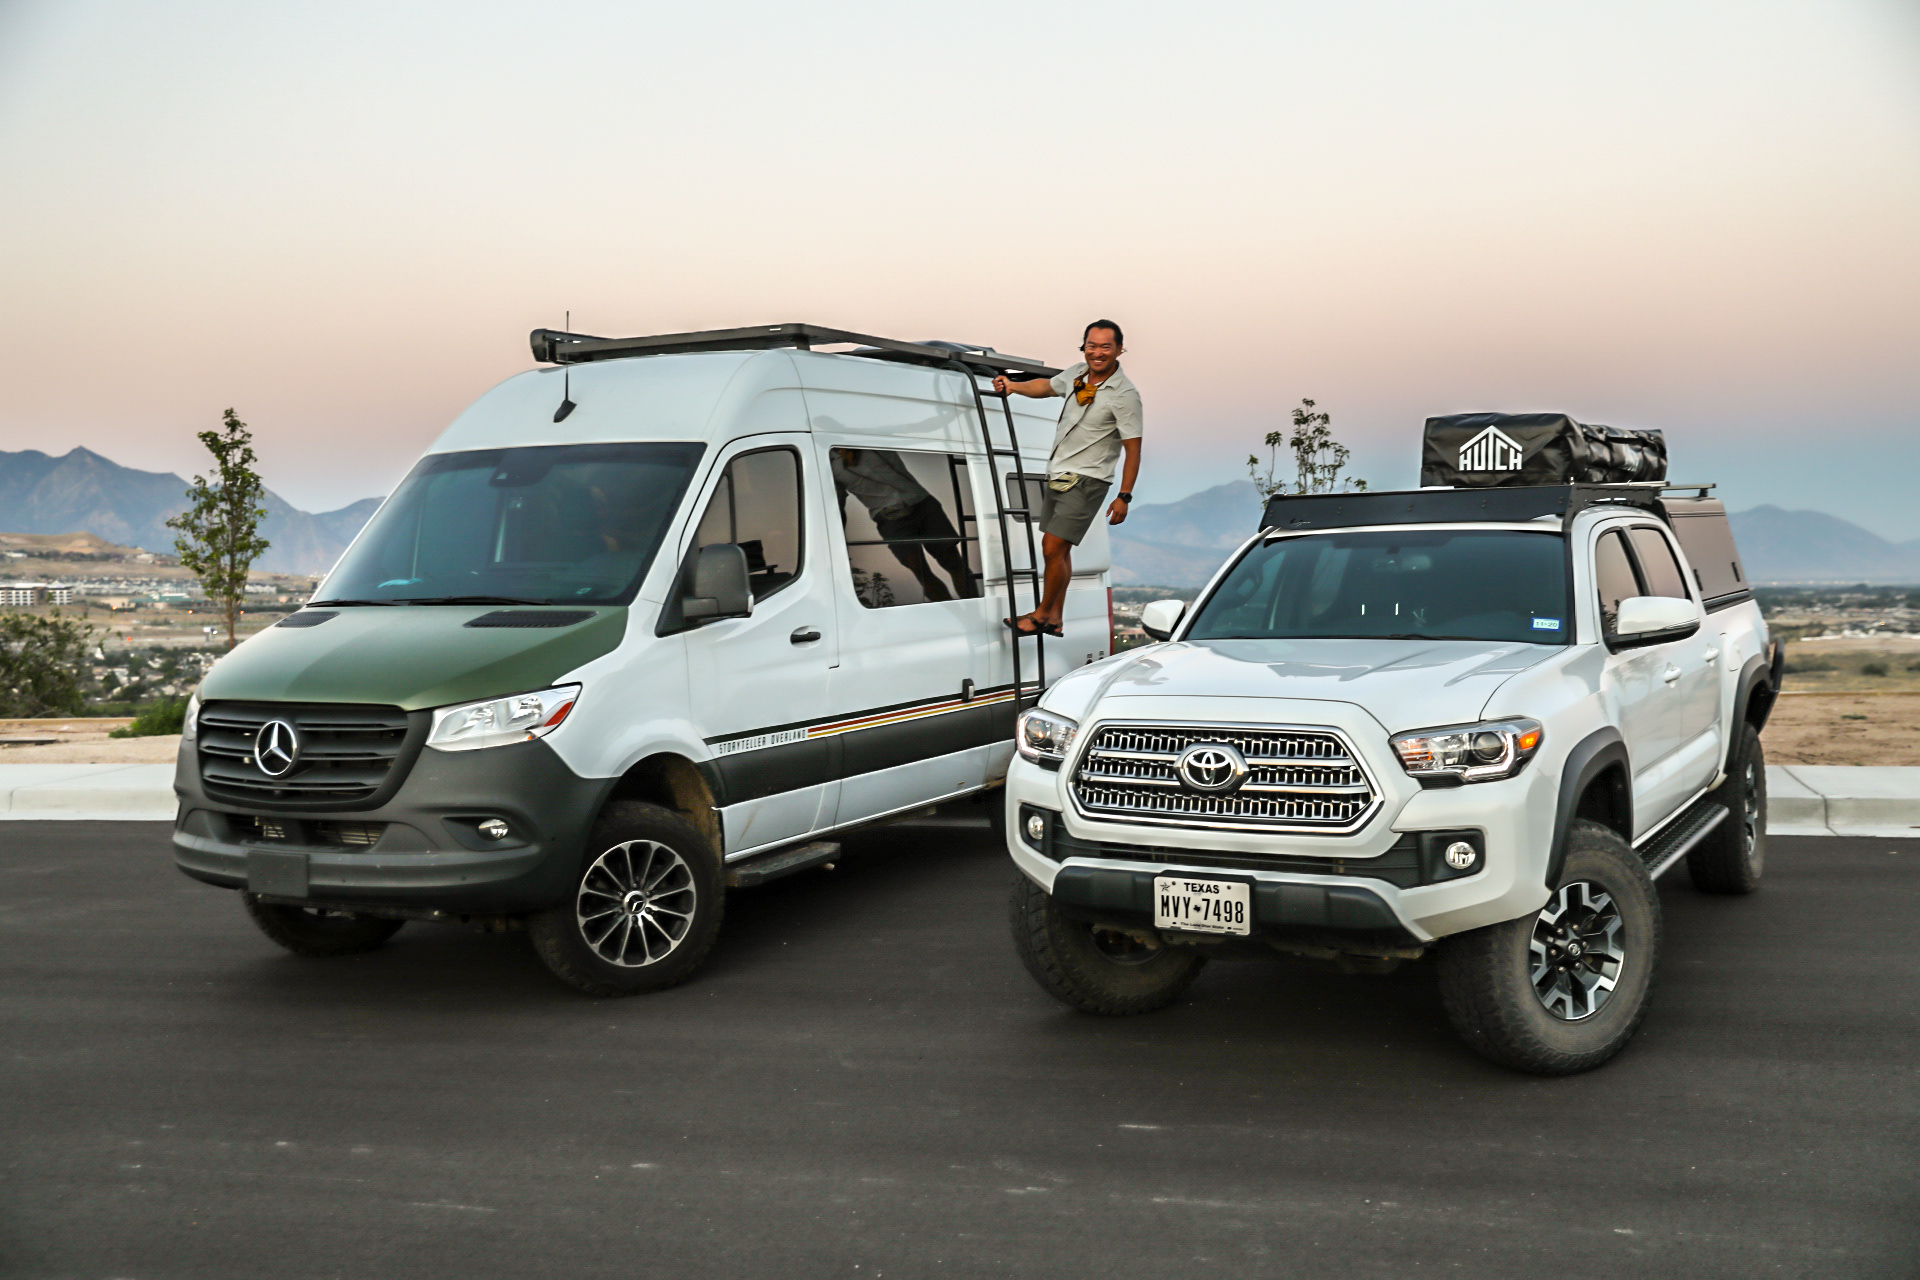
<point>499,721</point>
<point>1469,752</point>
<point>1043,737</point>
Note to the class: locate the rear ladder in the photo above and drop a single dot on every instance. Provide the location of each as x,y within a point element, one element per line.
<point>1033,573</point>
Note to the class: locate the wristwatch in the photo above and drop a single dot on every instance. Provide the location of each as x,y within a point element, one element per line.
<point>1126,497</point>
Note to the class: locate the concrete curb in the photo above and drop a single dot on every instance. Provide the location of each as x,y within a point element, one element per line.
<point>1802,800</point>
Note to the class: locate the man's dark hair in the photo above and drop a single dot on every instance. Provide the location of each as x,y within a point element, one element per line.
<point>1119,338</point>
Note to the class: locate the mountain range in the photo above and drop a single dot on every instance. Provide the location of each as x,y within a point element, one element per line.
<point>83,491</point>
<point>1180,544</point>
<point>1169,544</point>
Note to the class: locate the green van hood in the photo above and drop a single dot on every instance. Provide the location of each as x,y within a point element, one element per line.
<point>408,656</point>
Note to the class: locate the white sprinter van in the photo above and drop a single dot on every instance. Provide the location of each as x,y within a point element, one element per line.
<point>638,628</point>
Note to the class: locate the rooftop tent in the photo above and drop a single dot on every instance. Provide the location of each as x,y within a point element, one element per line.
<point>1487,450</point>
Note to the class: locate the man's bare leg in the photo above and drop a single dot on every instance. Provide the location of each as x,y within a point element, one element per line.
<point>1059,572</point>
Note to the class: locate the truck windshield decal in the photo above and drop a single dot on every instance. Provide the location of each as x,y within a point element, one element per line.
<point>1408,584</point>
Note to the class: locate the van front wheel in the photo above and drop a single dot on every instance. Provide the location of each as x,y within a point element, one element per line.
<point>1095,970</point>
<point>644,910</point>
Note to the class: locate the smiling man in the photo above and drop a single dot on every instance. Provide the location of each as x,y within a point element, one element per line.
<point>1099,424</point>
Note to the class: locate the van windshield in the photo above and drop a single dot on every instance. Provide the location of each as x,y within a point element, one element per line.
<point>1419,584</point>
<point>573,524</point>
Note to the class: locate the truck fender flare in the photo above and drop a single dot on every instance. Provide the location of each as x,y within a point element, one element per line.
<point>1591,756</point>
<point>1759,686</point>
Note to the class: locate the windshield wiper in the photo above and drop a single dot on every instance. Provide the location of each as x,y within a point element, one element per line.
<point>321,604</point>
<point>473,600</point>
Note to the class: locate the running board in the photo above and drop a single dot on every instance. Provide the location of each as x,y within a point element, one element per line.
<point>1679,838</point>
<point>784,863</point>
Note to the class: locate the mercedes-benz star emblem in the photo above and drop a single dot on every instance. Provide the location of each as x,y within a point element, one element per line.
<point>1212,767</point>
<point>275,748</point>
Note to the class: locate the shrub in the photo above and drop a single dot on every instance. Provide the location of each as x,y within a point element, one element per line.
<point>41,661</point>
<point>156,718</point>
<point>1873,669</point>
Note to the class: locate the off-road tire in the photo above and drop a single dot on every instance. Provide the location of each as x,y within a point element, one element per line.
<point>573,948</point>
<point>1065,959</point>
<point>1486,975</point>
<point>1734,853</point>
<point>307,931</point>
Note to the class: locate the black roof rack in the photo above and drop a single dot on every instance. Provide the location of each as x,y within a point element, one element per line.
<point>551,346</point>
<point>1289,512</point>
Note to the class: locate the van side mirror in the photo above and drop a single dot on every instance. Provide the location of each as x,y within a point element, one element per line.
<point>1161,617</point>
<point>719,585</point>
<point>1645,620</point>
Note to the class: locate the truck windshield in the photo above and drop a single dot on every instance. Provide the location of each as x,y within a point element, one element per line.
<point>574,524</point>
<point>1424,584</point>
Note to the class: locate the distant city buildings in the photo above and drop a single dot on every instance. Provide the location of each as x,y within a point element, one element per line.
<point>24,595</point>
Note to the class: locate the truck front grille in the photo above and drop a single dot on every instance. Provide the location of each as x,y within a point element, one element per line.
<point>348,756</point>
<point>1297,779</point>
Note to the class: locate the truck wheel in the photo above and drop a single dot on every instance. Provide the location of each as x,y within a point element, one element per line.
<point>1734,853</point>
<point>644,910</point>
<point>311,931</point>
<point>1563,990</point>
<point>1094,970</point>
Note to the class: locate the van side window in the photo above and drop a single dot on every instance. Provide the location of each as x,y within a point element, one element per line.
<point>757,507</point>
<point>911,533</point>
<point>1657,564</point>
<point>1613,576</point>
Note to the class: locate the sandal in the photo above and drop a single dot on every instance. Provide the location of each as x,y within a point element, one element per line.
<point>1033,629</point>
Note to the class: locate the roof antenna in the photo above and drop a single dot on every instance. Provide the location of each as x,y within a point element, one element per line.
<point>567,405</point>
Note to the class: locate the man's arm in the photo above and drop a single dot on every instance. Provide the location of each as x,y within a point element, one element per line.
<point>1129,472</point>
<point>1039,388</point>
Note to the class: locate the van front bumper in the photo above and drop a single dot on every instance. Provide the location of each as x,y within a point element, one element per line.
<point>423,849</point>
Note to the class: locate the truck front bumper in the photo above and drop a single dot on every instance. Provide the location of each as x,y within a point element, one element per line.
<point>422,849</point>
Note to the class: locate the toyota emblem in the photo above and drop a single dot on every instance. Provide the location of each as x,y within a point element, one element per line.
<point>1212,767</point>
<point>276,747</point>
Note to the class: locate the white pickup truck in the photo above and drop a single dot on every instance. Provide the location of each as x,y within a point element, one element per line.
<point>1471,723</point>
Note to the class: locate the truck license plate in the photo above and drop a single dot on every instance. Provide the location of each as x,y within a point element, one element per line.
<point>1202,906</point>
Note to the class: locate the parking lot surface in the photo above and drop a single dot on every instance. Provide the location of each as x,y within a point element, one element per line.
<point>863,1083</point>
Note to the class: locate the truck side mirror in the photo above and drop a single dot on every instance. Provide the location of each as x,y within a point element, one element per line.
<point>1645,620</point>
<point>1161,617</point>
<point>719,585</point>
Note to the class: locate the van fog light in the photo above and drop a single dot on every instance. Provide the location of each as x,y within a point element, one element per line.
<point>1459,855</point>
<point>494,829</point>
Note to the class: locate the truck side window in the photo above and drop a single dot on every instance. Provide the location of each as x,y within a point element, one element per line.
<point>1613,575</point>
<point>1657,564</point>
<point>757,507</point>
<point>911,533</point>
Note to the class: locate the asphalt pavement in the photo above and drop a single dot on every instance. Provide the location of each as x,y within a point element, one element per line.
<point>864,1083</point>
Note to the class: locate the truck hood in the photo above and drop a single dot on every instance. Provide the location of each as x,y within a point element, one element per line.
<point>1404,684</point>
<point>408,656</point>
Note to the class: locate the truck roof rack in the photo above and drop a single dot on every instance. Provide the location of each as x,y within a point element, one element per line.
<point>1508,503</point>
<point>552,346</point>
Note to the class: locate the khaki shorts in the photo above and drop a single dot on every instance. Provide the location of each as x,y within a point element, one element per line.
<point>1069,515</point>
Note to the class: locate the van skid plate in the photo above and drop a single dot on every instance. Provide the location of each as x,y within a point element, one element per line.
<point>488,924</point>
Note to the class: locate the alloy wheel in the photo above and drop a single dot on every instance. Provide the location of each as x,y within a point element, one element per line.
<point>1750,817</point>
<point>636,903</point>
<point>1576,956</point>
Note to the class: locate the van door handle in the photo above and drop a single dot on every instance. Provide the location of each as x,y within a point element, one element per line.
<point>805,635</point>
<point>1671,674</point>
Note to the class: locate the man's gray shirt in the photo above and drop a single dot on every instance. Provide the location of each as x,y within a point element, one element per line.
<point>1087,441</point>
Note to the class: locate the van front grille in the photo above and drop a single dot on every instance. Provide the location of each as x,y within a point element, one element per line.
<point>343,756</point>
<point>1297,779</point>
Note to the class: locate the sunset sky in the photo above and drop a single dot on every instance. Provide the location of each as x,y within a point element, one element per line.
<point>342,219</point>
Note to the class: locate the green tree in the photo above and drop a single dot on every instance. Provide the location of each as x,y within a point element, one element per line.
<point>220,533</point>
<point>41,659</point>
<point>1318,458</point>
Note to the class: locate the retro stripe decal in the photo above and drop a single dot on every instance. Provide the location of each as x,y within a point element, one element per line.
<point>789,734</point>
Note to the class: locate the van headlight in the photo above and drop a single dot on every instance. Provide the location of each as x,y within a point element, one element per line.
<point>190,726</point>
<point>1043,737</point>
<point>1469,752</point>
<point>499,721</point>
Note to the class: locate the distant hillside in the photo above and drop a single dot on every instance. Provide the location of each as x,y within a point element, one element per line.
<point>1180,544</point>
<point>82,490</point>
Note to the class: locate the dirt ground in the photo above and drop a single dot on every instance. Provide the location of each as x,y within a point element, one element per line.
<point>80,741</point>
<point>1840,728</point>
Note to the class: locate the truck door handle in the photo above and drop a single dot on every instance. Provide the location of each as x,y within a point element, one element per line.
<point>1713,655</point>
<point>1671,674</point>
<point>805,635</point>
